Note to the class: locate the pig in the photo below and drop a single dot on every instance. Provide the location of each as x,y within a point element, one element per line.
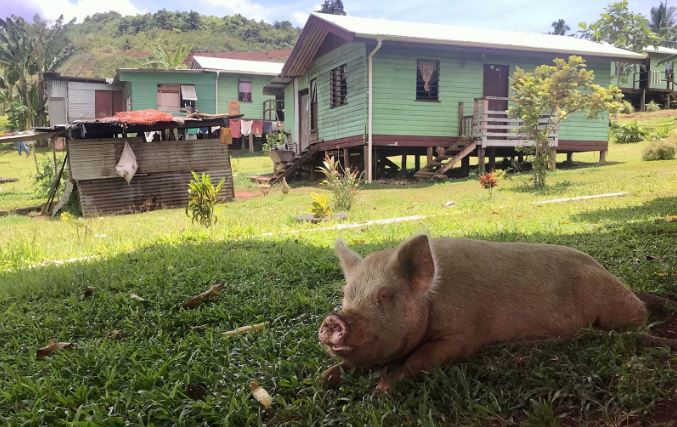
<point>431,301</point>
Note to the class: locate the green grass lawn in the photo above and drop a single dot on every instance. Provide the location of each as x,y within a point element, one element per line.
<point>279,271</point>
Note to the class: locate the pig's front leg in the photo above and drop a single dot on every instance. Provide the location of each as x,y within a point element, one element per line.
<point>425,357</point>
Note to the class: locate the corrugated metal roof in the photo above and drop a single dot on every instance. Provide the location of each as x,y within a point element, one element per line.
<point>262,68</point>
<point>472,37</point>
<point>662,50</point>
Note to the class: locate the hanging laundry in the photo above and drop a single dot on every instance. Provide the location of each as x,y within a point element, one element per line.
<point>235,128</point>
<point>127,165</point>
<point>267,127</point>
<point>246,127</point>
<point>257,128</point>
<point>226,137</point>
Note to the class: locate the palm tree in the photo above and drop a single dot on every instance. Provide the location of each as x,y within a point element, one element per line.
<point>663,20</point>
<point>164,58</point>
<point>559,27</point>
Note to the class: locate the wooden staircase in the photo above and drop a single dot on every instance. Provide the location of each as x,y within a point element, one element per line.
<point>290,169</point>
<point>443,163</point>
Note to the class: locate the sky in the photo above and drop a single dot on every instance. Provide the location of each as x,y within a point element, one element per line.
<point>517,15</point>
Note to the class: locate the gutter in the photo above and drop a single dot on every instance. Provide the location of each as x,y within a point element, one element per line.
<point>370,112</point>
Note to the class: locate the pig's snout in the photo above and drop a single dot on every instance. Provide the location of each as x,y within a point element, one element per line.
<point>333,331</point>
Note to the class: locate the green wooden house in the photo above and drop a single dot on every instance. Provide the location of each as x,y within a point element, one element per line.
<point>208,86</point>
<point>653,79</point>
<point>369,89</point>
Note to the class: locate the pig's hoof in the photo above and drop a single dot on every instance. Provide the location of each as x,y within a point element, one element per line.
<point>332,376</point>
<point>384,387</point>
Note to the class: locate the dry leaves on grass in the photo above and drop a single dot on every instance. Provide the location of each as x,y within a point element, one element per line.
<point>245,329</point>
<point>136,297</point>
<point>260,394</point>
<point>52,348</point>
<point>204,296</point>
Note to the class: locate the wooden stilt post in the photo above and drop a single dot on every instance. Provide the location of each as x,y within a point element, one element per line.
<point>602,157</point>
<point>251,142</point>
<point>492,159</point>
<point>52,142</point>
<point>642,101</point>
<point>429,155</point>
<point>365,158</point>
<point>403,169</point>
<point>346,158</point>
<point>465,166</point>
<point>480,160</point>
<point>417,162</point>
<point>570,157</point>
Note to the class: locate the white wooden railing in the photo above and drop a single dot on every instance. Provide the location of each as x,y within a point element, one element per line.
<point>495,128</point>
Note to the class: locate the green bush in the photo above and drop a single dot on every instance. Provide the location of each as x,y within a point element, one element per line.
<point>320,208</point>
<point>344,186</point>
<point>202,198</point>
<point>627,108</point>
<point>44,179</point>
<point>628,133</point>
<point>652,107</point>
<point>659,150</point>
<point>5,124</point>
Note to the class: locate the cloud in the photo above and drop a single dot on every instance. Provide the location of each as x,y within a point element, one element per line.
<point>52,9</point>
<point>299,18</point>
<point>245,8</point>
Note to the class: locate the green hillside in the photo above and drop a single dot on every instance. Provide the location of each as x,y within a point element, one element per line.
<point>106,41</point>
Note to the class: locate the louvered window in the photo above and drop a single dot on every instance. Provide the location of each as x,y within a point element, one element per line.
<point>338,84</point>
<point>427,80</point>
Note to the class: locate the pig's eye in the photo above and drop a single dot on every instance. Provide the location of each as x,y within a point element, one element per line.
<point>382,296</point>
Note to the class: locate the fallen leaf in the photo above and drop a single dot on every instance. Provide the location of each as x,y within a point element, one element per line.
<point>51,348</point>
<point>115,334</point>
<point>88,292</point>
<point>135,297</point>
<point>196,391</point>
<point>204,296</point>
<point>244,329</point>
<point>198,328</point>
<point>260,394</point>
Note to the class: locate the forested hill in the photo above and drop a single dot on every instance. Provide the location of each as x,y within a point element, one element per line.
<point>106,41</point>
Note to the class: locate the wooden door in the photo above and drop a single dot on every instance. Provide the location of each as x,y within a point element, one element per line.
<point>304,119</point>
<point>496,81</point>
<point>103,103</point>
<point>117,104</point>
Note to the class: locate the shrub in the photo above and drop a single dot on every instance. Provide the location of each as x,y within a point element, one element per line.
<point>488,181</point>
<point>660,133</point>
<point>44,179</point>
<point>659,150</point>
<point>344,186</point>
<point>273,142</point>
<point>5,124</point>
<point>629,133</point>
<point>652,107</point>
<point>320,208</point>
<point>202,198</point>
<point>627,108</point>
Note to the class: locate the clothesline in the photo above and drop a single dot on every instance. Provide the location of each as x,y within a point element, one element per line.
<point>240,128</point>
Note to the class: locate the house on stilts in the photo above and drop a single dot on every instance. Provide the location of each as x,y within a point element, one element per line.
<point>367,90</point>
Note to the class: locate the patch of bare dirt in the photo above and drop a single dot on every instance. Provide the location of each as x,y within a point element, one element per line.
<point>245,195</point>
<point>667,329</point>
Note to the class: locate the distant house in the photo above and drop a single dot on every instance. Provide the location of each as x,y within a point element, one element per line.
<point>653,79</point>
<point>78,98</point>
<point>208,86</point>
<point>373,88</point>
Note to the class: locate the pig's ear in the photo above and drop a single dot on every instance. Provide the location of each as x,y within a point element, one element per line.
<point>414,262</point>
<point>348,258</point>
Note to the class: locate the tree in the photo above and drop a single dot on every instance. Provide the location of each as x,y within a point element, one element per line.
<point>27,52</point>
<point>622,28</point>
<point>663,21</point>
<point>333,7</point>
<point>550,94</point>
<point>164,58</point>
<point>560,27</point>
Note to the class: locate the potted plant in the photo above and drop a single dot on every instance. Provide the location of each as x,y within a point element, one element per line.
<point>275,147</point>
